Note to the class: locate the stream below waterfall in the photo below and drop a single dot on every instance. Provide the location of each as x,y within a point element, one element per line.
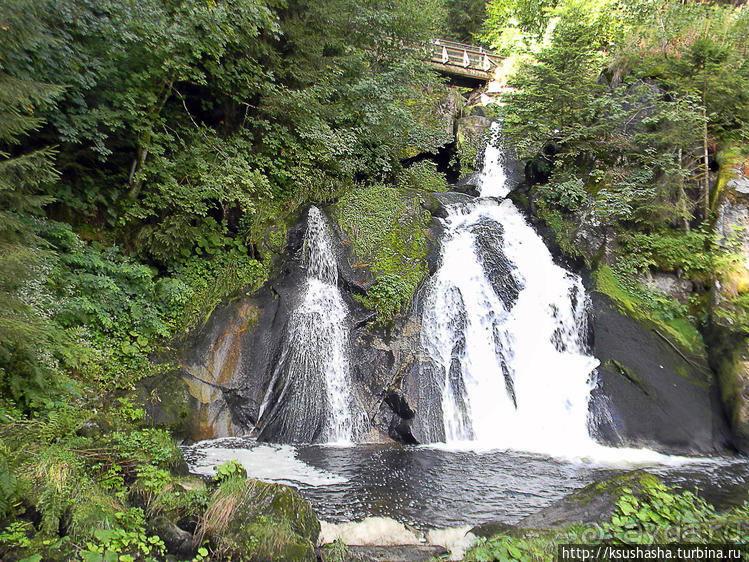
<point>506,378</point>
<point>431,488</point>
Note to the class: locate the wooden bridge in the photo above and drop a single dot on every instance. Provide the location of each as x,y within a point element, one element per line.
<point>463,61</point>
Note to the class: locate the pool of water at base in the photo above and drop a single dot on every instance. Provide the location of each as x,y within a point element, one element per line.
<point>437,488</point>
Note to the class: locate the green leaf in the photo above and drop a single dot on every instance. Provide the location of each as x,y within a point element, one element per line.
<point>104,535</point>
<point>626,507</point>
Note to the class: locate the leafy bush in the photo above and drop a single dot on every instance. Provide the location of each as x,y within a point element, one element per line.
<point>230,469</point>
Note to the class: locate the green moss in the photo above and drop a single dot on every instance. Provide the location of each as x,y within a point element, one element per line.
<point>253,520</point>
<point>733,313</point>
<point>679,330</point>
<point>388,230</point>
<point>210,285</point>
<point>470,138</point>
<point>728,159</point>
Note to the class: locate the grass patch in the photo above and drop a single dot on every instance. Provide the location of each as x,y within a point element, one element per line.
<point>388,230</point>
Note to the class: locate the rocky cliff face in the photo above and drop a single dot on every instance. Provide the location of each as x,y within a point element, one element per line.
<point>649,393</point>
<point>729,330</point>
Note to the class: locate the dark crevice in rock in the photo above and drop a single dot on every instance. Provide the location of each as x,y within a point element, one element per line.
<point>445,159</point>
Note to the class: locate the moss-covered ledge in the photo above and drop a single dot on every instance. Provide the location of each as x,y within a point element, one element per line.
<point>388,230</point>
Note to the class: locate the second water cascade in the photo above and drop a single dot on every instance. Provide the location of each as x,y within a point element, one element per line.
<point>310,398</point>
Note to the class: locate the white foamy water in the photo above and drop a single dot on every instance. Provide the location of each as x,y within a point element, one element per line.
<point>384,531</point>
<point>266,462</point>
<point>510,353</point>
<point>316,401</point>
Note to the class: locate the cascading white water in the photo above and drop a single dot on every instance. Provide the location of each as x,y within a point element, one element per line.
<point>503,334</point>
<point>316,401</point>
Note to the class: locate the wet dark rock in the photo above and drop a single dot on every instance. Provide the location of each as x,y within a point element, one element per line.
<point>177,540</point>
<point>593,504</point>
<point>498,268</point>
<point>446,198</point>
<point>648,394</point>
<point>398,553</point>
<point>492,528</point>
<point>468,185</point>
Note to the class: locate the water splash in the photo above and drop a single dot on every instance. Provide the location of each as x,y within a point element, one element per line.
<point>311,398</point>
<point>504,334</point>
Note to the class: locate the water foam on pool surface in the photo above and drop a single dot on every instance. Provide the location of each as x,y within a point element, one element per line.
<point>270,463</point>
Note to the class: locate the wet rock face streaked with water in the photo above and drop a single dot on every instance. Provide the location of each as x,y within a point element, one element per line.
<point>311,397</point>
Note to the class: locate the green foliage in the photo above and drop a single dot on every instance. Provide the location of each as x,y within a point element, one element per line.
<point>199,285</point>
<point>618,105</point>
<point>124,545</point>
<point>422,176</point>
<point>230,469</point>
<point>508,17</point>
<point>337,551</point>
<point>652,514</point>
<point>694,254</point>
<point>24,171</point>
<point>464,19</point>
<point>187,138</point>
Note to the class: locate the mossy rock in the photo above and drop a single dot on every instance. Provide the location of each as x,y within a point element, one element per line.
<point>730,359</point>
<point>252,520</point>
<point>167,402</point>
<point>593,504</point>
<point>470,138</point>
<point>389,233</point>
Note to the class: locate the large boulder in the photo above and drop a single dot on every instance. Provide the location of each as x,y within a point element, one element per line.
<point>248,519</point>
<point>593,504</point>
<point>650,394</point>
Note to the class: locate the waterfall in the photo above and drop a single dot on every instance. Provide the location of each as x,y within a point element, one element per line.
<point>311,398</point>
<point>504,331</point>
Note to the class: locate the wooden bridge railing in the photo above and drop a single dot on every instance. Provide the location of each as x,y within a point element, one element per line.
<point>461,59</point>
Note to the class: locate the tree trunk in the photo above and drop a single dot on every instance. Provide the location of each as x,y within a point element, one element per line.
<point>707,160</point>
<point>136,184</point>
<point>683,196</point>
